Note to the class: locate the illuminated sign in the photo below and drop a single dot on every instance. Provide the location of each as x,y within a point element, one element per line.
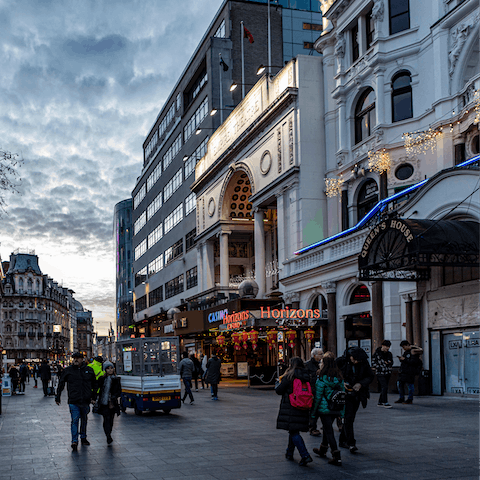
<point>217,316</point>
<point>168,328</point>
<point>297,313</point>
<point>57,329</point>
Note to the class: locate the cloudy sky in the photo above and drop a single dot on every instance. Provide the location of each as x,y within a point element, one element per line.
<point>81,84</point>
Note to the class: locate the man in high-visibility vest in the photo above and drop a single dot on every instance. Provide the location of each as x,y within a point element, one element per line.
<point>97,366</point>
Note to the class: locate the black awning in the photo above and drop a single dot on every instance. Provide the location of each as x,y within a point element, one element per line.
<point>405,249</point>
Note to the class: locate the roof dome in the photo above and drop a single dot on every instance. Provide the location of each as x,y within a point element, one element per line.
<point>248,289</point>
<point>172,312</point>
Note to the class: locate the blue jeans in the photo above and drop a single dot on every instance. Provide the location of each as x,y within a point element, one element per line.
<point>187,381</point>
<point>79,413</point>
<point>296,440</point>
<point>401,389</point>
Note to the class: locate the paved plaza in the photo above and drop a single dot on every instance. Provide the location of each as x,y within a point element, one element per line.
<point>235,438</point>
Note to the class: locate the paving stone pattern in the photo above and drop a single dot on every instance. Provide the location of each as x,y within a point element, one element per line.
<point>235,438</point>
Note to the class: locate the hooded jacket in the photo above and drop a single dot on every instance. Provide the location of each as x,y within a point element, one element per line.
<point>324,389</point>
<point>291,418</point>
<point>81,384</point>
<point>356,373</point>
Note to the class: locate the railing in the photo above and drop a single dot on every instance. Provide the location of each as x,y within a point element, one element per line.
<point>212,297</point>
<point>322,255</point>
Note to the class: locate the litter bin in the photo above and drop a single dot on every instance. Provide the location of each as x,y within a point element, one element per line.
<point>424,387</point>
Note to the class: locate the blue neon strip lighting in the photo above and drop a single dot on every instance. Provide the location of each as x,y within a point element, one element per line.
<point>379,207</point>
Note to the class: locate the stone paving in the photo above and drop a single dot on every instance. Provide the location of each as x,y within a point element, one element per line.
<point>235,438</point>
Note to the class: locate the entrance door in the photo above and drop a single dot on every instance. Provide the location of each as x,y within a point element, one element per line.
<point>461,353</point>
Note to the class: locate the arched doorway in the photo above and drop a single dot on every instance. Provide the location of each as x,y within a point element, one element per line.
<point>358,324</point>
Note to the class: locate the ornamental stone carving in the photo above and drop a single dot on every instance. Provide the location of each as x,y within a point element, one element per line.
<point>458,38</point>
<point>265,162</point>
<point>377,11</point>
<point>330,287</point>
<point>291,297</point>
<point>211,207</point>
<point>290,141</point>
<point>279,150</point>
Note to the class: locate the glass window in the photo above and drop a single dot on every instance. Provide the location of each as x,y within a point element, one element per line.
<point>174,286</point>
<point>195,119</point>
<point>312,26</point>
<point>402,97</point>
<point>171,153</point>
<point>173,252</point>
<point>365,116</point>
<point>404,171</point>
<point>190,203</point>
<point>220,33</point>
<point>140,195</point>
<point>367,198</point>
<point>155,296</point>
<point>399,16</point>
<point>140,223</point>
<point>173,185</point>
<point>360,295</point>
<point>370,28</point>
<point>192,278</point>
<point>190,239</point>
<point>355,44</point>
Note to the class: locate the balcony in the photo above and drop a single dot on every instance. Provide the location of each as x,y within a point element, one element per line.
<point>40,334</point>
<point>31,334</point>
<point>48,335</point>
<point>325,254</point>
<point>212,297</point>
<point>22,334</point>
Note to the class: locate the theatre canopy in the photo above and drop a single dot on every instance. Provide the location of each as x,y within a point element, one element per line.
<point>398,249</point>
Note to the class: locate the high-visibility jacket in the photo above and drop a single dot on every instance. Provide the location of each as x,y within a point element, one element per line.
<point>97,368</point>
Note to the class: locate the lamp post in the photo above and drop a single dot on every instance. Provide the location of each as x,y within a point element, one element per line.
<point>234,85</point>
<point>261,68</point>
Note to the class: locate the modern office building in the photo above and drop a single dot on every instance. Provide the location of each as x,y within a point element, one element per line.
<point>124,283</point>
<point>164,207</point>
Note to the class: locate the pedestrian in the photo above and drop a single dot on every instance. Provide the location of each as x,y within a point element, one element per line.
<point>13,372</point>
<point>312,367</point>
<point>204,370</point>
<point>290,418</point>
<point>36,373</point>
<point>213,375</point>
<point>382,362</point>
<point>410,366</point>
<point>22,374</point>
<point>96,366</point>
<point>29,372</point>
<point>82,390</point>
<point>357,376</point>
<point>197,371</point>
<point>185,368</point>
<point>109,393</point>
<point>329,381</point>
<point>45,375</point>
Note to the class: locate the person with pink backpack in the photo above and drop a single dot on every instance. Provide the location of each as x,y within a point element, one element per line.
<point>294,412</point>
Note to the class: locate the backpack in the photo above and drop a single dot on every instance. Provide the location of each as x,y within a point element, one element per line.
<point>336,402</point>
<point>301,397</point>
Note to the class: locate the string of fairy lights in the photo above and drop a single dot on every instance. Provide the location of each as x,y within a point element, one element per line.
<point>415,143</point>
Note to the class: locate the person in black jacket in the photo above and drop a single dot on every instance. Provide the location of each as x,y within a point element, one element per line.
<point>312,367</point>
<point>213,375</point>
<point>81,388</point>
<point>382,362</point>
<point>290,418</point>
<point>410,365</point>
<point>357,375</point>
<point>45,375</point>
<point>13,372</point>
<point>109,393</point>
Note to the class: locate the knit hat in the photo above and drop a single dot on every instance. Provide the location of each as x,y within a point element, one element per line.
<point>107,364</point>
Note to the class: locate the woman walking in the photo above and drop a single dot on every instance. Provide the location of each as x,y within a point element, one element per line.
<point>329,382</point>
<point>110,391</point>
<point>290,418</point>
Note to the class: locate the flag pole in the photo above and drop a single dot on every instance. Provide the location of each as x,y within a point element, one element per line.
<point>242,33</point>
<point>269,42</point>
<point>220,66</point>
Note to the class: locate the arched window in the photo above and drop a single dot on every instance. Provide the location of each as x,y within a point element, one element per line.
<point>367,198</point>
<point>365,116</point>
<point>360,295</point>
<point>29,285</point>
<point>321,304</point>
<point>20,285</point>
<point>402,96</point>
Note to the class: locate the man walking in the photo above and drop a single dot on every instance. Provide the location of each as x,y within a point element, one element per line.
<point>312,367</point>
<point>410,365</point>
<point>382,362</point>
<point>45,375</point>
<point>82,390</point>
<point>186,368</point>
<point>357,375</point>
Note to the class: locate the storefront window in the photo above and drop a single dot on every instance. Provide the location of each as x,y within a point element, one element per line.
<point>359,295</point>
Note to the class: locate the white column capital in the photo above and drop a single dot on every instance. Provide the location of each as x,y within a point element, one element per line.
<point>330,287</point>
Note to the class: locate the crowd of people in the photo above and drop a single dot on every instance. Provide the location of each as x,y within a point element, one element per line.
<point>332,390</point>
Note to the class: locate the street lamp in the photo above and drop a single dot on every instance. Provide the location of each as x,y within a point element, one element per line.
<point>198,131</point>
<point>228,108</point>
<point>234,85</point>
<point>262,68</point>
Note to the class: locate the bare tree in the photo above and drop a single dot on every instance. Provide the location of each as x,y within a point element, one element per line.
<point>9,177</point>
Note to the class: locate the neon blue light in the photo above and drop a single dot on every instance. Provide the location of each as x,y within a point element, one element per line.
<point>379,207</point>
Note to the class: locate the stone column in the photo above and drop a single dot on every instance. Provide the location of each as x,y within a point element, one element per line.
<point>208,265</point>
<point>377,314</point>
<point>379,94</point>
<point>224,265</point>
<point>200,268</point>
<point>417,320</point>
<point>281,230</point>
<point>342,125</point>
<point>259,233</point>
<point>331,289</point>
<point>408,318</point>
<point>345,221</point>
